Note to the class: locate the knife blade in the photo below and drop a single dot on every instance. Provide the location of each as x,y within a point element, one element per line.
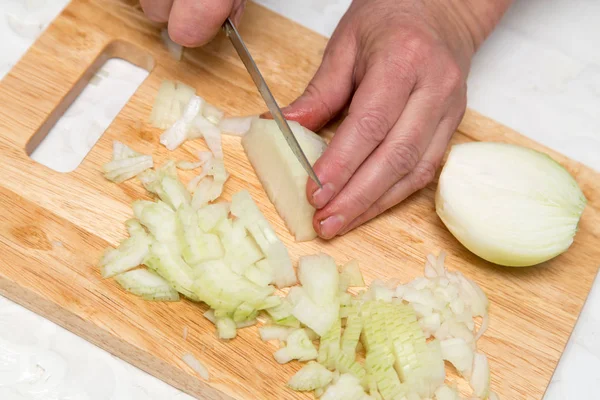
<point>265,92</point>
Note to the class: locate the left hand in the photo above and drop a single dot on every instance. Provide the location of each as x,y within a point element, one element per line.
<point>402,65</point>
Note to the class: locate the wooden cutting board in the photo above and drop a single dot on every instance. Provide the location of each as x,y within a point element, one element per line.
<point>54,226</point>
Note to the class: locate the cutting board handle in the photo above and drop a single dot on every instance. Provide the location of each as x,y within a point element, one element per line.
<point>114,49</point>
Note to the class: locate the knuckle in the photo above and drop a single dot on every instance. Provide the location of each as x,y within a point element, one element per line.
<point>372,127</point>
<point>423,174</point>
<point>401,158</point>
<point>343,169</point>
<point>416,46</point>
<point>361,201</point>
<point>453,77</point>
<point>314,93</point>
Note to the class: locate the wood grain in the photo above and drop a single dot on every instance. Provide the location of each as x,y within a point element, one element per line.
<point>53,226</point>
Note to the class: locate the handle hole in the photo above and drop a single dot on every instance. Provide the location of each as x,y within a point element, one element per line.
<point>84,114</point>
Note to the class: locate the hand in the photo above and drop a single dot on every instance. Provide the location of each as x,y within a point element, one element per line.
<point>402,66</point>
<point>193,23</point>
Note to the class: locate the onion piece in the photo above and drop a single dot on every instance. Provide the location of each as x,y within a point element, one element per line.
<point>508,204</point>
<point>480,379</point>
<point>126,163</point>
<point>202,127</point>
<point>236,126</point>
<point>280,173</point>
<point>196,365</point>
<point>212,113</point>
<point>187,165</point>
<point>175,49</point>
<point>458,352</point>
<point>169,103</point>
<point>298,347</point>
<point>148,285</point>
<point>445,392</point>
<point>312,376</point>
<point>244,208</point>
<point>347,387</point>
<point>274,332</point>
<point>129,254</point>
<point>178,132</point>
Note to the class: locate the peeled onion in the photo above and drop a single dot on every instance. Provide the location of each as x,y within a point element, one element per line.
<point>508,204</point>
<point>281,174</point>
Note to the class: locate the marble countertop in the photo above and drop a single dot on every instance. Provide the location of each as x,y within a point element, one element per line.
<point>539,73</point>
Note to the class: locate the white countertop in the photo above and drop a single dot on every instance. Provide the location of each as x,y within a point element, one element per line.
<point>539,73</point>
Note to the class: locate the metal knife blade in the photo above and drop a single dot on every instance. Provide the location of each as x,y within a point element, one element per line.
<point>265,92</point>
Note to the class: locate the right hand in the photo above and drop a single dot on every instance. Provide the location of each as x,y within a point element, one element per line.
<point>193,23</point>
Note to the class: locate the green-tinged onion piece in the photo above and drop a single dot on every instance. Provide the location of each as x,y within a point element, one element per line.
<point>508,204</point>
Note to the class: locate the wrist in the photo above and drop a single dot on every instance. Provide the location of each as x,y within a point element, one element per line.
<point>480,17</point>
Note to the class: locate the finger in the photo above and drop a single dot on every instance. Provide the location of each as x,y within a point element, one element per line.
<point>330,88</point>
<point>396,157</point>
<point>375,108</point>
<point>238,10</point>
<point>420,177</point>
<point>194,23</point>
<point>157,10</point>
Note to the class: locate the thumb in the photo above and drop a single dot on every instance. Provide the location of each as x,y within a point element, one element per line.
<point>328,91</point>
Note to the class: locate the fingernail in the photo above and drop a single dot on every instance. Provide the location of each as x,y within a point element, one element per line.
<point>322,196</point>
<point>330,226</point>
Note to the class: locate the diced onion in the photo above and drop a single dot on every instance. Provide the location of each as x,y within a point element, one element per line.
<point>175,49</point>
<point>196,365</point>
<point>236,126</point>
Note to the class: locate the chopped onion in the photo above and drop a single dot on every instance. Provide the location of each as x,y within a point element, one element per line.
<point>236,126</point>
<point>347,387</point>
<point>480,379</point>
<point>459,354</point>
<point>274,332</point>
<point>130,254</point>
<point>445,392</point>
<point>212,135</point>
<point>280,173</point>
<point>187,165</point>
<point>212,113</point>
<point>298,347</point>
<point>148,285</point>
<point>509,205</point>
<point>126,163</point>
<point>178,132</point>
<point>196,365</point>
<point>175,49</point>
<point>312,376</point>
<point>169,104</point>
<point>244,208</point>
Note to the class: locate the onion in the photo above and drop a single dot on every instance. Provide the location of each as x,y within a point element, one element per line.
<point>236,126</point>
<point>480,379</point>
<point>196,365</point>
<point>178,132</point>
<point>175,49</point>
<point>281,174</point>
<point>510,205</point>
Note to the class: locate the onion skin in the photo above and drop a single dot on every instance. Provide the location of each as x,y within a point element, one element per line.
<point>508,204</point>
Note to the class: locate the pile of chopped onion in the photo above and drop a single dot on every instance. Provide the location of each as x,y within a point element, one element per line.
<point>388,343</point>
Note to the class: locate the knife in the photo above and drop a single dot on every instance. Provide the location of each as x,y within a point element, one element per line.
<point>265,92</point>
